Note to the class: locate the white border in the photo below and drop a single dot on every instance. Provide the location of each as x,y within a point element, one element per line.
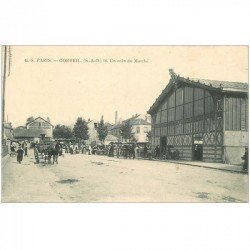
<point>124,226</point>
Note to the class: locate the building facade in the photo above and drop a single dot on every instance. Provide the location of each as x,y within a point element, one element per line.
<point>140,126</point>
<point>35,130</point>
<point>92,132</point>
<point>204,119</point>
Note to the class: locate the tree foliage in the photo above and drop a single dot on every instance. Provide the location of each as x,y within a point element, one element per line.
<point>30,119</point>
<point>62,131</point>
<point>133,139</point>
<point>102,130</point>
<point>126,131</point>
<point>80,129</point>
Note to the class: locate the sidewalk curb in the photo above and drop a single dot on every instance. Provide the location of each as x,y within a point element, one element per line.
<point>5,159</point>
<point>196,165</point>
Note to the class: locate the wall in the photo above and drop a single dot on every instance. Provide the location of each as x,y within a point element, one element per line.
<point>93,134</point>
<point>142,136</point>
<point>44,125</point>
<point>234,146</point>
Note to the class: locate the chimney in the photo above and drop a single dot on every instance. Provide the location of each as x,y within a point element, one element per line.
<point>116,117</point>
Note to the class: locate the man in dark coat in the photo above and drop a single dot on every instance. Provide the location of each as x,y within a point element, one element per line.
<point>111,150</point>
<point>245,158</point>
<point>145,151</point>
<point>20,153</point>
<point>157,151</point>
<point>57,149</point>
<point>133,151</point>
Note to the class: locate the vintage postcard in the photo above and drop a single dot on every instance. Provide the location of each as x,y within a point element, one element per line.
<point>124,124</point>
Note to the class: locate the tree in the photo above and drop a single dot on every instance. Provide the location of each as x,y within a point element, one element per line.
<point>62,131</point>
<point>102,130</point>
<point>126,131</point>
<point>149,136</point>
<point>133,139</point>
<point>30,119</point>
<point>80,129</point>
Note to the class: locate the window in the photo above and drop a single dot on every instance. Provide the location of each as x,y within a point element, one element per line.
<point>171,114</point>
<point>179,113</point>
<point>158,117</point>
<point>164,105</point>
<point>164,115</point>
<point>188,102</point>
<point>179,104</point>
<point>188,128</point>
<point>188,110</point>
<point>236,113</point>
<point>171,100</point>
<point>209,103</point>
<point>137,130</point>
<point>179,128</point>
<point>198,102</point>
<point>171,129</point>
<point>164,112</point>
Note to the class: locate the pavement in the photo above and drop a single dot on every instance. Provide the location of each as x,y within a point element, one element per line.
<point>218,166</point>
<point>92,178</point>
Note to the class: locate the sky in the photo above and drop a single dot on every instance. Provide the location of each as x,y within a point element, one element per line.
<point>63,91</point>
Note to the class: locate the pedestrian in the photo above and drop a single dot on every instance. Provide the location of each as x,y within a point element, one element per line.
<point>56,151</point>
<point>245,158</point>
<point>20,153</point>
<point>12,149</point>
<point>25,148</point>
<point>132,150</point>
<point>157,151</point>
<point>71,150</point>
<point>145,151</point>
<point>111,151</point>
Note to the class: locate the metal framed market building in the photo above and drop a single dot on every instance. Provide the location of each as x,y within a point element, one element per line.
<point>205,114</point>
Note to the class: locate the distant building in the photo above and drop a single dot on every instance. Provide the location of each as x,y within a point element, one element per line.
<point>35,130</point>
<point>7,131</point>
<point>205,120</point>
<point>93,134</point>
<point>110,139</point>
<point>141,125</point>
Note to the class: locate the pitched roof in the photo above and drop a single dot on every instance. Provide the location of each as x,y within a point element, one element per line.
<point>215,85</point>
<point>38,118</point>
<point>30,133</point>
<point>110,137</point>
<point>132,118</point>
<point>140,121</point>
<point>132,121</point>
<point>7,125</point>
<point>8,133</point>
<point>225,85</point>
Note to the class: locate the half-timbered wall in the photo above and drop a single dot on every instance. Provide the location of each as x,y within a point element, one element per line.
<point>188,113</point>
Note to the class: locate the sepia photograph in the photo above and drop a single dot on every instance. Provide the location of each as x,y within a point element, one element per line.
<point>151,124</point>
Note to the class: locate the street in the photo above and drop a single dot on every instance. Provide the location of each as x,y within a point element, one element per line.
<point>93,178</point>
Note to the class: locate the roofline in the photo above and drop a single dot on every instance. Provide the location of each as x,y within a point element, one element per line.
<point>38,118</point>
<point>176,79</point>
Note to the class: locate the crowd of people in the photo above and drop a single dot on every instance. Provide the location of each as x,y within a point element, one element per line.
<point>119,150</point>
<point>18,149</point>
<point>52,150</point>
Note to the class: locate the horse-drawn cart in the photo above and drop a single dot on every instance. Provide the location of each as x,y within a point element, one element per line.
<point>44,152</point>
